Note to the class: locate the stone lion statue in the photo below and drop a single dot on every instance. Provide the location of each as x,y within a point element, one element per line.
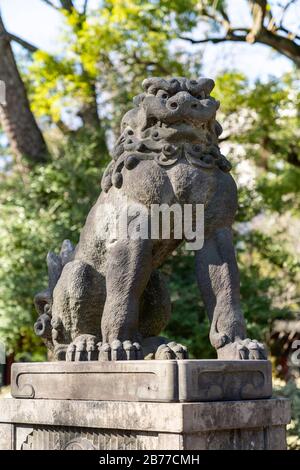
<point>106,298</point>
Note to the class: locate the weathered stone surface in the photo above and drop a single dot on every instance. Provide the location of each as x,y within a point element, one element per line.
<point>165,417</point>
<point>6,435</point>
<point>213,380</point>
<point>118,380</point>
<point>70,424</point>
<point>21,435</point>
<point>186,380</point>
<point>106,298</point>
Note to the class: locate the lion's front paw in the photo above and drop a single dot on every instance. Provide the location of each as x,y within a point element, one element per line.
<point>171,350</point>
<point>83,348</point>
<point>243,349</point>
<point>120,351</point>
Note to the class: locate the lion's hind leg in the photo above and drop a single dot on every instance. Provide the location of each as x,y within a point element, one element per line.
<point>78,301</point>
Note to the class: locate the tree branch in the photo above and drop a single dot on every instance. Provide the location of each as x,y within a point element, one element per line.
<point>27,45</point>
<point>64,5</point>
<point>12,37</point>
<point>281,44</point>
<point>213,40</point>
<point>258,11</point>
<point>225,21</point>
<point>50,4</point>
<point>147,63</point>
<point>85,7</point>
<point>67,5</point>
<point>230,36</point>
<point>289,33</point>
<point>284,11</point>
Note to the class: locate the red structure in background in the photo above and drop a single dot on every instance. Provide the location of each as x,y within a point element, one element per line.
<point>7,369</point>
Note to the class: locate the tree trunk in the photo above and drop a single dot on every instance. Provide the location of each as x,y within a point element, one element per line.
<point>88,112</point>
<point>16,118</point>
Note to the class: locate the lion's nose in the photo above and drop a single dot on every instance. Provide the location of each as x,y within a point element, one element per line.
<point>183,102</point>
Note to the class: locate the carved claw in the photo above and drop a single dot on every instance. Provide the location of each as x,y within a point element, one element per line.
<point>83,348</point>
<point>92,349</point>
<point>104,352</point>
<point>243,349</point>
<point>164,353</point>
<point>87,348</point>
<point>118,351</point>
<point>70,355</point>
<point>171,350</point>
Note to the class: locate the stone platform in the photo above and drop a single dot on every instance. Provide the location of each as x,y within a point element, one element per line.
<point>95,425</point>
<point>161,381</point>
<point>148,405</point>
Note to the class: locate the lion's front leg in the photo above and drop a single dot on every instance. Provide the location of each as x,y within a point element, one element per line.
<point>129,266</point>
<point>218,279</point>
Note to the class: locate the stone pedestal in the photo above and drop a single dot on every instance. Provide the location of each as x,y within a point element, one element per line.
<point>70,424</point>
<point>165,405</point>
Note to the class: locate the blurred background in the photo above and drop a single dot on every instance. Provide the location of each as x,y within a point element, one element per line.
<point>71,69</point>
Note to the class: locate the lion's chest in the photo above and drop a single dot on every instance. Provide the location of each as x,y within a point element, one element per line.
<point>191,185</point>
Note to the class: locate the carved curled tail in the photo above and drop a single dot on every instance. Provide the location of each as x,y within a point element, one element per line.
<point>43,300</point>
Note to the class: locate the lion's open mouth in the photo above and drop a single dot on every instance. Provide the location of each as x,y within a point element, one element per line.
<point>180,125</point>
<point>183,124</point>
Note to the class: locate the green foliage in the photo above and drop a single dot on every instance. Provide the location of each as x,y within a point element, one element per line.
<point>39,210</point>
<point>189,324</point>
<point>270,133</point>
<point>110,52</point>
<point>114,48</point>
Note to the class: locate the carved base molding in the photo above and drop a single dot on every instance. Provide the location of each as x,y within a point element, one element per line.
<point>161,381</point>
<point>147,405</point>
<point>95,425</point>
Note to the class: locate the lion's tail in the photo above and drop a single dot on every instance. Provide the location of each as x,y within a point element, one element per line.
<point>43,300</point>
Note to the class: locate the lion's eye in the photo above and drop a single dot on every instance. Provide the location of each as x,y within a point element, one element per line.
<point>162,94</point>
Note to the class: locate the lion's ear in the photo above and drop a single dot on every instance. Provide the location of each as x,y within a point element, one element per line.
<point>218,128</point>
<point>206,84</point>
<point>137,100</point>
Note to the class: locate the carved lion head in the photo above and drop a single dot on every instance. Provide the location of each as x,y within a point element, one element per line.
<point>172,119</point>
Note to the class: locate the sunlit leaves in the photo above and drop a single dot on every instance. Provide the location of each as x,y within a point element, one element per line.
<point>37,214</point>
<point>120,42</point>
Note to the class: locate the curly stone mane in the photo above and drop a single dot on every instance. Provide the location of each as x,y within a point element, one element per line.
<point>160,130</point>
